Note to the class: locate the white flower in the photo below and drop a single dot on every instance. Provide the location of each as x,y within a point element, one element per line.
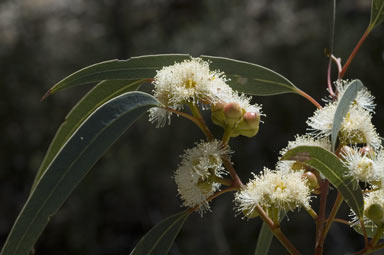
<point>273,189</point>
<point>356,127</point>
<point>364,98</point>
<point>364,167</point>
<point>188,81</point>
<point>195,177</point>
<point>307,140</point>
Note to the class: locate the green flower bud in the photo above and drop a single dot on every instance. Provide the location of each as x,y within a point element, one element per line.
<point>313,183</point>
<point>217,115</point>
<point>233,114</point>
<point>375,212</point>
<point>248,126</point>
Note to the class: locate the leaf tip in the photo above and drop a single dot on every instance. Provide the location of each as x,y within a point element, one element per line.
<point>47,94</point>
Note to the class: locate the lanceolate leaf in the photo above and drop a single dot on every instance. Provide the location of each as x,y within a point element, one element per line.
<point>250,78</point>
<point>136,68</point>
<point>264,240</point>
<point>87,144</point>
<point>159,240</point>
<point>377,13</point>
<point>343,108</point>
<point>333,169</point>
<point>101,93</point>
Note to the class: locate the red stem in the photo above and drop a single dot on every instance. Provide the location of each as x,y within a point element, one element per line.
<point>324,186</point>
<point>354,52</point>
<point>309,98</point>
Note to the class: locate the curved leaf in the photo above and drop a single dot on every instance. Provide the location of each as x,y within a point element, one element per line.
<point>87,144</point>
<point>101,93</point>
<point>136,68</point>
<point>333,169</point>
<point>160,238</point>
<point>264,240</point>
<point>250,78</point>
<point>377,13</point>
<point>343,108</point>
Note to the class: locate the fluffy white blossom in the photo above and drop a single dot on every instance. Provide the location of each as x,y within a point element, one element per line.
<point>356,127</point>
<point>273,189</point>
<point>187,81</point>
<point>200,167</point>
<point>364,167</point>
<point>307,140</point>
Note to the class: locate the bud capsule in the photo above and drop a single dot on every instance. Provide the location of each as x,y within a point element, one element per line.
<point>375,212</point>
<point>313,183</point>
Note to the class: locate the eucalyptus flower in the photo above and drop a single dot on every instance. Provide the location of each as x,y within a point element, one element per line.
<point>190,81</point>
<point>356,128</point>
<point>365,167</point>
<point>199,172</point>
<point>284,191</point>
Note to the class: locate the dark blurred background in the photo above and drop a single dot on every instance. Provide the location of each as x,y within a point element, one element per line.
<point>131,189</point>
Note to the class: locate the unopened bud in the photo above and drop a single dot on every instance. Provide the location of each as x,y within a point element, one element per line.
<point>253,119</point>
<point>375,212</point>
<point>313,183</point>
<point>233,110</point>
<point>248,126</point>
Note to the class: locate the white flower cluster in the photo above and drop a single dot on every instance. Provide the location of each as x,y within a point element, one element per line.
<point>198,174</point>
<point>356,128</point>
<point>282,190</point>
<point>191,81</point>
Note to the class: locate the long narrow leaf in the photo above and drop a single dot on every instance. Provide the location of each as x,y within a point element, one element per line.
<point>264,240</point>
<point>136,68</point>
<point>87,144</point>
<point>252,79</point>
<point>101,93</point>
<point>343,108</point>
<point>159,240</point>
<point>333,169</point>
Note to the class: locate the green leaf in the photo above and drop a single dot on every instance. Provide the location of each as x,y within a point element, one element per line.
<point>343,108</point>
<point>333,169</point>
<point>101,93</point>
<point>264,240</point>
<point>161,237</point>
<point>377,13</point>
<point>250,78</point>
<point>370,229</point>
<point>87,144</point>
<point>136,68</point>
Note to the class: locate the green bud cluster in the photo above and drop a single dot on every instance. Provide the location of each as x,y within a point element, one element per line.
<point>232,116</point>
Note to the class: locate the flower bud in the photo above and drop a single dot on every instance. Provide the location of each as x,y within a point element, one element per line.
<point>313,183</point>
<point>375,212</point>
<point>248,126</point>
<point>217,114</point>
<point>233,114</point>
